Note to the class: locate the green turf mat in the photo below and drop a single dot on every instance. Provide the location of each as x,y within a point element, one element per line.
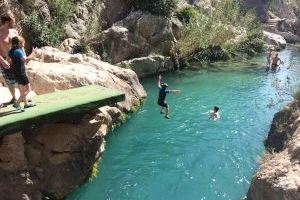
<point>57,106</point>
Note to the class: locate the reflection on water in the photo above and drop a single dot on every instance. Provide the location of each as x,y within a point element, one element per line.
<point>190,156</point>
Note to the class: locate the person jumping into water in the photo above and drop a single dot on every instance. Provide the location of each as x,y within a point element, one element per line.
<point>162,96</point>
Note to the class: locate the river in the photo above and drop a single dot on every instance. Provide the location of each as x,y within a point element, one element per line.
<point>190,156</point>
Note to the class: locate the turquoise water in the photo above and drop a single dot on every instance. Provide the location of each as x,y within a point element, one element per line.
<point>189,156</point>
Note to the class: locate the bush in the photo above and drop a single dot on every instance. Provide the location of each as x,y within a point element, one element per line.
<point>157,7</point>
<point>187,13</point>
<point>217,30</point>
<point>43,31</point>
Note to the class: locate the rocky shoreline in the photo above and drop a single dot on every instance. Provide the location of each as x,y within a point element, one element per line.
<point>54,159</point>
<point>278,174</point>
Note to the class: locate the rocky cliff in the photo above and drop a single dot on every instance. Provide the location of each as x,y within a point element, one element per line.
<point>53,159</point>
<point>278,176</point>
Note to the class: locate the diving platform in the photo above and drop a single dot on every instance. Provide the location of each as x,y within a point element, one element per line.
<point>56,106</point>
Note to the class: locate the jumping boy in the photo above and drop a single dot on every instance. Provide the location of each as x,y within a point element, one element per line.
<point>162,96</point>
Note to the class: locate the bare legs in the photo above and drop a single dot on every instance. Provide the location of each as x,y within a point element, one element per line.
<point>24,90</point>
<point>167,111</point>
<point>11,89</point>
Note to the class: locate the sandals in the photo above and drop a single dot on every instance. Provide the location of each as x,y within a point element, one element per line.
<point>19,108</point>
<point>30,105</point>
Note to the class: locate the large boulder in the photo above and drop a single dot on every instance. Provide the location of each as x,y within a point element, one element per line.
<point>274,39</point>
<point>289,37</point>
<point>138,35</point>
<point>55,70</point>
<point>146,66</point>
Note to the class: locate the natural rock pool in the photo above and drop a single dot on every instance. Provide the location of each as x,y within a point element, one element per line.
<point>189,156</point>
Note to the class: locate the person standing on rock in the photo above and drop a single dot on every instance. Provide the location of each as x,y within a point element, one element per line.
<point>6,34</point>
<point>162,97</point>
<point>19,60</point>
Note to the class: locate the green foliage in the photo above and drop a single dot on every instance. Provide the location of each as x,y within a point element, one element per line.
<point>157,7</point>
<point>186,13</point>
<point>41,30</point>
<point>94,172</point>
<point>213,35</point>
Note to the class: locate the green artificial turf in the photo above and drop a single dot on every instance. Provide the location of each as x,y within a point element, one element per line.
<point>57,106</point>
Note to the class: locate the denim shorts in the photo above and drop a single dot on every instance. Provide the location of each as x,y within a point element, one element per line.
<point>9,77</point>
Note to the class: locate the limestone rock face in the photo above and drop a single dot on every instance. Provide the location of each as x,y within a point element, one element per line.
<point>55,70</point>
<point>273,39</point>
<point>146,66</point>
<point>137,35</point>
<point>80,20</point>
<point>115,10</point>
<point>283,9</point>
<point>53,159</point>
<point>63,154</point>
<point>289,37</point>
<point>259,6</point>
<point>277,177</point>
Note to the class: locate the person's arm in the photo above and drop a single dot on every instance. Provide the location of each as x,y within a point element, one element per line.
<point>174,91</point>
<point>28,58</point>
<point>4,63</point>
<point>281,62</point>
<point>158,81</point>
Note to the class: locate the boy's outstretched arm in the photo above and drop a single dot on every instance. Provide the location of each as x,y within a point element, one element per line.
<point>174,91</point>
<point>158,81</point>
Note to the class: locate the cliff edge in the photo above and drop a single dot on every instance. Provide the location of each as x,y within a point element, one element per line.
<point>278,176</point>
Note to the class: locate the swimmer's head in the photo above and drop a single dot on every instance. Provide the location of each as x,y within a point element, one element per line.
<point>216,108</point>
<point>164,86</point>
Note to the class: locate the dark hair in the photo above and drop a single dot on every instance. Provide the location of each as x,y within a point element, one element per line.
<point>15,41</point>
<point>6,18</point>
<point>216,108</point>
<point>164,85</point>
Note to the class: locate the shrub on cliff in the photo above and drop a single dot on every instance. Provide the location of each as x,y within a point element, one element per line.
<point>42,30</point>
<point>220,27</point>
<point>157,7</point>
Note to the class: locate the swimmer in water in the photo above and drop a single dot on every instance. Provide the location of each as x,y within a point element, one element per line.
<point>214,114</point>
